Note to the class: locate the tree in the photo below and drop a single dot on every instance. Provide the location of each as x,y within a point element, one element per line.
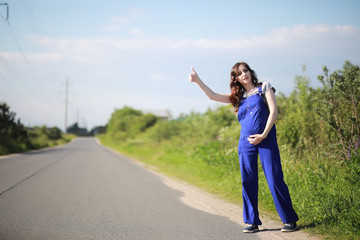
<point>75,129</point>
<point>98,130</point>
<point>12,132</point>
<point>9,127</point>
<point>338,103</point>
<point>298,125</point>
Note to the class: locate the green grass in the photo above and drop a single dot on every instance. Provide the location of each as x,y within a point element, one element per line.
<point>43,141</point>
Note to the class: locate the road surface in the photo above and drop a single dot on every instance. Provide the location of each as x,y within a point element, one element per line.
<point>85,191</point>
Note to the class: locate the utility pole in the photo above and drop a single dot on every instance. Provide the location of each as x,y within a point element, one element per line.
<point>7,10</point>
<point>66,102</point>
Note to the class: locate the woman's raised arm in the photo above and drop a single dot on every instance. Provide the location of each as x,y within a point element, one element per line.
<point>219,97</point>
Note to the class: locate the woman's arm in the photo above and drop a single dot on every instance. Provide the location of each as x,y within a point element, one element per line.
<point>271,100</point>
<point>224,98</point>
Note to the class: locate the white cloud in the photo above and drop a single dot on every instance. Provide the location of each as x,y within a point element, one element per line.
<point>137,32</point>
<point>120,22</point>
<point>301,39</point>
<point>32,57</point>
<point>158,78</point>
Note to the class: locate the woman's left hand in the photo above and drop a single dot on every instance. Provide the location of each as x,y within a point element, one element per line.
<point>255,139</point>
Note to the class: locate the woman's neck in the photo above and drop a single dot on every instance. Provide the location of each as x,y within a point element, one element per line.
<point>249,87</point>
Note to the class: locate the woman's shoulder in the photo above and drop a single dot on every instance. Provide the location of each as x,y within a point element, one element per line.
<point>266,86</point>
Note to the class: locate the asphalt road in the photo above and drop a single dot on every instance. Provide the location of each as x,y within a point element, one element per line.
<point>84,191</point>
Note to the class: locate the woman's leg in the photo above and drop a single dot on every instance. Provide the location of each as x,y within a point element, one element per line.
<point>270,160</point>
<point>248,157</point>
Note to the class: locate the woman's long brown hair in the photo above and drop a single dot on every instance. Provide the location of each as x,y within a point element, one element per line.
<point>237,90</point>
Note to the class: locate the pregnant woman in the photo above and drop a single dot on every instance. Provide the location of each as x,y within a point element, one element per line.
<point>256,109</point>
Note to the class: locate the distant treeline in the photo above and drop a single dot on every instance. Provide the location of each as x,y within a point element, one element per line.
<point>318,132</point>
<point>83,132</point>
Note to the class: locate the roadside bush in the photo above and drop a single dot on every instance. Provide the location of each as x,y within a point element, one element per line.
<point>165,130</point>
<point>54,133</point>
<point>127,123</point>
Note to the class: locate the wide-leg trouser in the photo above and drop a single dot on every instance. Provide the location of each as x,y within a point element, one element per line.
<point>270,160</point>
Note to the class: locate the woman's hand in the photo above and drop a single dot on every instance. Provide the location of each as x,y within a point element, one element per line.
<point>255,139</point>
<point>193,77</point>
<point>219,97</point>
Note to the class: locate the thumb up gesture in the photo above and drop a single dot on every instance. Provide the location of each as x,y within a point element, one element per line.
<point>193,76</point>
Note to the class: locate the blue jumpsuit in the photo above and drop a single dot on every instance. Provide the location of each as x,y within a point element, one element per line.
<point>253,115</point>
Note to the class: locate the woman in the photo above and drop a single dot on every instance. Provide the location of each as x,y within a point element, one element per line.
<point>256,109</point>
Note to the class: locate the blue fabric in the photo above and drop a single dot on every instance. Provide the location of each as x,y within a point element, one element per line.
<point>253,115</point>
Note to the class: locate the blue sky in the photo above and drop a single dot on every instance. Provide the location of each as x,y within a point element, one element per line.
<point>139,53</point>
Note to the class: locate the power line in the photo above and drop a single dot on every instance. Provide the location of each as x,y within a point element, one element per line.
<point>26,59</point>
<point>31,16</point>
<point>37,35</point>
<point>12,88</point>
<point>23,99</point>
<point>35,90</point>
<point>4,63</point>
<point>36,31</point>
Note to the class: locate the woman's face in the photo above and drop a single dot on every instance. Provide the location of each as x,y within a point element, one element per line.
<point>244,75</point>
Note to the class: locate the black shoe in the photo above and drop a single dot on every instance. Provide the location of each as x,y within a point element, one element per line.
<point>251,229</point>
<point>289,227</point>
